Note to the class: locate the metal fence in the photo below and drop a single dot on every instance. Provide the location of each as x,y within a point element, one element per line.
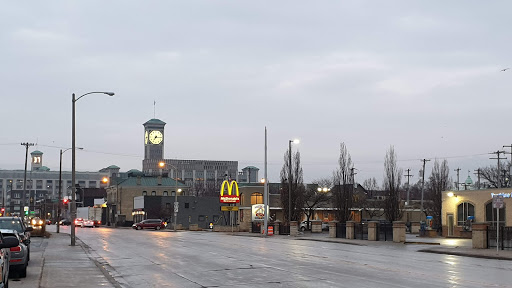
<point>385,232</point>
<point>341,230</point>
<point>256,227</point>
<point>505,239</point>
<point>284,230</point>
<point>361,231</point>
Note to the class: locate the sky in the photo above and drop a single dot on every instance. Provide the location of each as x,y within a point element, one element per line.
<point>422,76</point>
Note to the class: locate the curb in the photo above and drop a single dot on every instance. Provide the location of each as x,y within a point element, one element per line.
<point>455,253</point>
<point>422,243</point>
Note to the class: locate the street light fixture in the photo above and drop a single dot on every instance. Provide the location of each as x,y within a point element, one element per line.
<point>73,186</point>
<point>295,141</point>
<point>59,209</point>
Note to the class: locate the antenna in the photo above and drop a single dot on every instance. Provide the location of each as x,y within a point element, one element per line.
<point>154,109</point>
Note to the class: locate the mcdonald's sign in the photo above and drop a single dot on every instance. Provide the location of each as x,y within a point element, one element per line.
<point>231,197</point>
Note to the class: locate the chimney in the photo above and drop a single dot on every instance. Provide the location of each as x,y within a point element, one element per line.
<point>139,180</point>
<point>159,180</point>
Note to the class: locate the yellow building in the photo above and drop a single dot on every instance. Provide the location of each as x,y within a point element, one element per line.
<point>476,205</point>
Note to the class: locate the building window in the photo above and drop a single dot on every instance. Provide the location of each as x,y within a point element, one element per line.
<point>144,193</point>
<point>166,193</point>
<point>153,193</point>
<point>256,198</point>
<point>39,184</point>
<point>16,195</point>
<point>92,184</point>
<point>464,210</point>
<point>490,215</point>
<point>187,205</point>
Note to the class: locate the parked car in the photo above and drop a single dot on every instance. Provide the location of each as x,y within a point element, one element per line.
<point>97,223</point>
<point>88,223</point>
<point>6,243</point>
<point>49,222</point>
<point>156,224</point>
<point>79,221</point>
<point>38,225</point>
<point>17,224</point>
<point>18,261</point>
<point>304,226</point>
<point>65,222</point>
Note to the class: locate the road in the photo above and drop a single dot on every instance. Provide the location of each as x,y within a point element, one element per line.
<point>207,259</point>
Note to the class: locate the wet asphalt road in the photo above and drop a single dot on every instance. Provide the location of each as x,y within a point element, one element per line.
<point>208,259</point>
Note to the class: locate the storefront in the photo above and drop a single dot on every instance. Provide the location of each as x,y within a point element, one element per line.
<point>461,208</point>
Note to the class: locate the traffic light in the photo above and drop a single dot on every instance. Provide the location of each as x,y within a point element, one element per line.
<point>2,212</point>
<point>65,201</point>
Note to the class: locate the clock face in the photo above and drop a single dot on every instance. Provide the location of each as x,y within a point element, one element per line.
<point>146,138</point>
<point>156,137</point>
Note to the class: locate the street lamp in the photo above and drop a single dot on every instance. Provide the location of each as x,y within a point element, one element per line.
<point>73,188</point>
<point>295,141</point>
<point>323,189</point>
<point>162,164</point>
<point>59,211</point>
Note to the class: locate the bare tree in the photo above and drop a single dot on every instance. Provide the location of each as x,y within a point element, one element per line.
<point>298,189</point>
<point>343,191</point>
<point>372,207</point>
<point>371,186</point>
<point>314,198</point>
<point>490,174</point>
<point>392,181</point>
<point>439,181</point>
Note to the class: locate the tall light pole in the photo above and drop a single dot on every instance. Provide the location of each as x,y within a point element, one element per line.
<point>296,141</point>
<point>265,191</point>
<point>176,190</point>
<point>73,186</point>
<point>59,204</point>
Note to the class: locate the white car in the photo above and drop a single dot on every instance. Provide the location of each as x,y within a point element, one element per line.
<point>303,225</point>
<point>88,223</point>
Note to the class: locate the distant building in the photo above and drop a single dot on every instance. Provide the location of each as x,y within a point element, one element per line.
<point>122,191</point>
<point>202,176</point>
<point>43,181</point>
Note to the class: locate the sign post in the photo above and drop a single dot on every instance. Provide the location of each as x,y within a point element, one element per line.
<point>497,202</point>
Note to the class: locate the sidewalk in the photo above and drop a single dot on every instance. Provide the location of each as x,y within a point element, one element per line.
<point>70,266</point>
<point>449,246</point>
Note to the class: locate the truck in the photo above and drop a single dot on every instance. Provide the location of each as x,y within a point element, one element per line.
<point>91,213</point>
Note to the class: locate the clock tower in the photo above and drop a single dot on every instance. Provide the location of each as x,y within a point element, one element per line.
<point>154,139</point>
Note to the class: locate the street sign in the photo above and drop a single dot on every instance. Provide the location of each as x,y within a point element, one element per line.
<point>497,201</point>
<point>25,208</point>
<point>229,208</point>
<point>176,206</point>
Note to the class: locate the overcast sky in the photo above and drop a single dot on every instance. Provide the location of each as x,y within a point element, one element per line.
<point>423,76</point>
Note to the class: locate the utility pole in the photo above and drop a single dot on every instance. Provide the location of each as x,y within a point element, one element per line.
<point>408,175</point>
<point>510,165</point>
<point>352,174</point>
<point>26,144</point>
<point>457,183</point>
<point>423,182</point>
<point>478,175</point>
<point>498,158</point>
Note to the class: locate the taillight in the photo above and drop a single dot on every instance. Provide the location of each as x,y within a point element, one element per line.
<point>16,249</point>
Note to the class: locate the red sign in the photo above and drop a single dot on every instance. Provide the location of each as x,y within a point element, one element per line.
<point>229,199</point>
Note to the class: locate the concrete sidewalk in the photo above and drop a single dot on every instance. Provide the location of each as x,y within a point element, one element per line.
<point>70,266</point>
<point>439,245</point>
